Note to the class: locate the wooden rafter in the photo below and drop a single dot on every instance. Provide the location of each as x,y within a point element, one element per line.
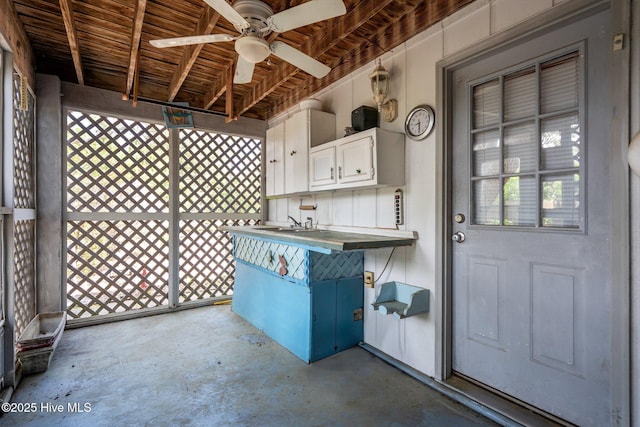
<point>136,32</point>
<point>109,33</point>
<point>422,16</point>
<point>72,36</point>
<point>217,90</point>
<point>318,44</point>
<point>14,34</point>
<point>206,24</point>
<point>229,98</point>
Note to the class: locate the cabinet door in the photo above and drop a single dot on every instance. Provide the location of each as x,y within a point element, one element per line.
<point>296,153</point>
<point>274,160</point>
<point>349,315</point>
<point>322,167</point>
<point>355,160</point>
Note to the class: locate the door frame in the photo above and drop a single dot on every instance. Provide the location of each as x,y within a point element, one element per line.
<point>555,17</point>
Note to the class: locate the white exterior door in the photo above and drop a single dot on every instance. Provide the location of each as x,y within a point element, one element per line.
<point>531,216</point>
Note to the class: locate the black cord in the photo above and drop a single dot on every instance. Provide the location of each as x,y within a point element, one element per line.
<point>386,265</point>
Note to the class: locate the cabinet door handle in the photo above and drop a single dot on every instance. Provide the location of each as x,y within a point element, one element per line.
<point>292,153</point>
<point>273,161</point>
<point>332,172</point>
<point>358,171</point>
<point>339,172</point>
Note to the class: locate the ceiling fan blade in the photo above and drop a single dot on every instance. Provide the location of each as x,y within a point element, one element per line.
<point>244,71</point>
<point>299,59</point>
<point>231,15</point>
<point>182,41</point>
<point>305,14</point>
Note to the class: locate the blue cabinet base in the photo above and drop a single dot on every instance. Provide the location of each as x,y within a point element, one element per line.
<point>312,320</point>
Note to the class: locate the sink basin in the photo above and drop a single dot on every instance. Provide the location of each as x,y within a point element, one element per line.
<point>296,230</point>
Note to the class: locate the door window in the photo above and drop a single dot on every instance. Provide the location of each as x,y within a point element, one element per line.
<point>526,147</point>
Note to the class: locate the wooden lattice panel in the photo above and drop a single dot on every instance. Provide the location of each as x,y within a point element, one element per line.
<point>24,274</point>
<point>116,266</point>
<point>23,148</point>
<point>119,202</point>
<point>116,165</point>
<point>219,173</point>
<point>206,259</point>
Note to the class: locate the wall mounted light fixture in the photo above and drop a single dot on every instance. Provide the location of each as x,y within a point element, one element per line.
<point>380,82</point>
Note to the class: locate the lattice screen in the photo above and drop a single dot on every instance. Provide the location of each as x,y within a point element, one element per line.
<point>119,204</point>
<point>24,274</point>
<point>116,165</point>
<point>221,174</point>
<point>207,267</point>
<point>24,198</point>
<point>116,266</point>
<point>117,177</point>
<point>23,150</point>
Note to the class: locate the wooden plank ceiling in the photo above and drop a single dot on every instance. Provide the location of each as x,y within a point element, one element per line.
<point>105,44</point>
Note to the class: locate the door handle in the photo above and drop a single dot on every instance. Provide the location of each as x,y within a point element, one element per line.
<point>458,237</point>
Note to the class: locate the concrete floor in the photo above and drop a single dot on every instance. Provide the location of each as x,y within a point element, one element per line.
<point>208,367</point>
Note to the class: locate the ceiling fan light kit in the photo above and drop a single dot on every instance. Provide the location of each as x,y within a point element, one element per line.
<point>254,20</point>
<point>253,49</point>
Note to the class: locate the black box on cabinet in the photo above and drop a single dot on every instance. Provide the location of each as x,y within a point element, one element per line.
<point>363,118</point>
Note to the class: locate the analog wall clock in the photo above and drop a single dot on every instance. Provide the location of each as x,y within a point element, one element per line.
<point>419,122</point>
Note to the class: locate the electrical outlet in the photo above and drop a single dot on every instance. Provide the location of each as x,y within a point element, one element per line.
<point>368,279</point>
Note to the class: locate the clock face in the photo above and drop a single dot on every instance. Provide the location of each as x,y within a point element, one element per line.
<point>420,122</point>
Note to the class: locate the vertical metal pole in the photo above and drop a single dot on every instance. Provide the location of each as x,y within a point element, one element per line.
<point>174,219</point>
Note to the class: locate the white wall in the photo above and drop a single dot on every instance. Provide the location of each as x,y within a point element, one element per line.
<point>413,68</point>
<point>635,224</point>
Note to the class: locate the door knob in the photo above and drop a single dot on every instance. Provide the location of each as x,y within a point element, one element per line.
<point>458,237</point>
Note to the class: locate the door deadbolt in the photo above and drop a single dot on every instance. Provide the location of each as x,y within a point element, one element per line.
<point>458,237</point>
<point>459,218</point>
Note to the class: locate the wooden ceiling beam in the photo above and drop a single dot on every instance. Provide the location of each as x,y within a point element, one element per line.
<point>219,87</point>
<point>136,32</point>
<point>229,107</point>
<point>208,21</point>
<point>337,30</point>
<point>12,30</point>
<point>420,18</point>
<point>72,36</point>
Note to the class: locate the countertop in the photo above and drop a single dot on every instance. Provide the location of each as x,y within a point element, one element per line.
<point>324,240</point>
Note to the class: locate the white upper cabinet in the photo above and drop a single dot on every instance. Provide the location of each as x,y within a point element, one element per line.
<point>372,158</point>
<point>322,167</point>
<point>274,162</point>
<point>304,129</point>
<point>355,160</point>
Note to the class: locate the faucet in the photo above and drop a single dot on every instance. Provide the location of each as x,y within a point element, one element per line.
<point>295,222</point>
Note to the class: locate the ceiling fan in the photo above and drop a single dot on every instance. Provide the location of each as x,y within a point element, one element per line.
<point>254,20</point>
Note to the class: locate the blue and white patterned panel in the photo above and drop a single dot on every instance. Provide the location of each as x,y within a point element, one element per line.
<point>336,266</point>
<point>264,254</point>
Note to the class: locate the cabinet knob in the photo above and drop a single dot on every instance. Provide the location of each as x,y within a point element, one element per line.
<point>292,153</point>
<point>358,171</point>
